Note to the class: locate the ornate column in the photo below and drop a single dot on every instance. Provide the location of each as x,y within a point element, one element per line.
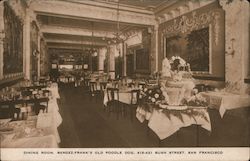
<point>101,58</point>
<point>2,35</point>
<point>39,55</point>
<point>236,42</point>
<point>156,47</point>
<point>124,59</point>
<point>112,61</point>
<point>26,43</point>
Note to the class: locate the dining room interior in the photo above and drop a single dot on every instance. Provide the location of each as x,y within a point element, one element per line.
<point>124,73</point>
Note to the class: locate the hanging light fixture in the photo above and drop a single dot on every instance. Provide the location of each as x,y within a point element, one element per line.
<point>118,35</point>
<point>93,50</point>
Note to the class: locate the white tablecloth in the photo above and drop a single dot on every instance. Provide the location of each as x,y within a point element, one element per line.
<point>165,127</point>
<point>42,137</point>
<point>48,141</point>
<point>225,101</point>
<point>53,109</point>
<point>54,90</point>
<point>28,135</point>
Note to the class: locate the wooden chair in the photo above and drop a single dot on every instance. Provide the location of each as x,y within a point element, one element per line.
<point>86,82</point>
<point>41,104</point>
<point>209,88</point>
<point>94,92</point>
<point>26,93</point>
<point>142,85</point>
<point>46,93</point>
<point>115,84</point>
<point>103,86</point>
<point>135,99</point>
<point>113,101</point>
<point>8,110</point>
<point>200,87</point>
<point>131,84</point>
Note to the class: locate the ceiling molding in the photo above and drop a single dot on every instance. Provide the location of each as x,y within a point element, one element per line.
<point>180,8</point>
<point>113,5</point>
<point>69,9</point>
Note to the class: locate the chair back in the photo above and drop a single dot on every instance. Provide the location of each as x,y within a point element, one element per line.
<point>26,93</point>
<point>103,86</point>
<point>131,85</point>
<point>209,88</point>
<point>93,86</point>
<point>41,104</point>
<point>142,85</point>
<point>113,94</point>
<point>115,84</point>
<point>200,87</point>
<point>86,82</point>
<point>7,110</point>
<point>135,96</point>
<point>46,93</point>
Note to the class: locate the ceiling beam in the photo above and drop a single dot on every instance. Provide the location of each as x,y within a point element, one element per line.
<point>70,46</point>
<point>96,43</point>
<point>74,31</point>
<point>75,10</point>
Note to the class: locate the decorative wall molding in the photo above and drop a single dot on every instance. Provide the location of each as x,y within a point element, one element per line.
<point>183,7</point>
<point>196,21</point>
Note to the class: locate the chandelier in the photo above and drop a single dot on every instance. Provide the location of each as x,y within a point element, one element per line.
<point>119,37</point>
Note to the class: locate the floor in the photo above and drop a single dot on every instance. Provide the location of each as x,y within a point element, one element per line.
<point>86,124</point>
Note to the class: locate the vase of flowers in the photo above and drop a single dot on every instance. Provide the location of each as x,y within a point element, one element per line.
<point>152,95</point>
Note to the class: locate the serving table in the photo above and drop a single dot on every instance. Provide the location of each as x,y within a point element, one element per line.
<point>165,122</point>
<point>224,101</point>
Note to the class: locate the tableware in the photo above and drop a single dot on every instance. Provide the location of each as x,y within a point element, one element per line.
<point>4,121</point>
<point>164,106</point>
<point>173,107</point>
<point>6,130</point>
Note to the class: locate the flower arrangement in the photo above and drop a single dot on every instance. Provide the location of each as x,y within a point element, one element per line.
<point>177,62</point>
<point>152,95</point>
<point>196,100</point>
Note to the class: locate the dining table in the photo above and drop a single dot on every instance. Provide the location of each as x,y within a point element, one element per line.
<point>36,131</point>
<point>124,95</point>
<point>166,122</point>
<point>224,101</point>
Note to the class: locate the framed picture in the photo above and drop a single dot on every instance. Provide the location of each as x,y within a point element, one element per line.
<point>194,47</point>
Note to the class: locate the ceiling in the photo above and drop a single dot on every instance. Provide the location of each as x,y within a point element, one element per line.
<point>79,23</point>
<point>80,32</point>
<point>145,4</point>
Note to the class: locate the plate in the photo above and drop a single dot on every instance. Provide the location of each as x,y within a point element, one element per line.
<point>164,106</point>
<point>6,130</point>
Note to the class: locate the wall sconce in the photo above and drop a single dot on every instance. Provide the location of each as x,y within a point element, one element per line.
<point>35,53</point>
<point>231,50</point>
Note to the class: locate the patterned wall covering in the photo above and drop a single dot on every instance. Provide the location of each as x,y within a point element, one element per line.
<point>34,48</point>
<point>44,58</point>
<point>13,42</point>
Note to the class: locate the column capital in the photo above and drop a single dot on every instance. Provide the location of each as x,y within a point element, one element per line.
<point>156,27</point>
<point>228,4</point>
